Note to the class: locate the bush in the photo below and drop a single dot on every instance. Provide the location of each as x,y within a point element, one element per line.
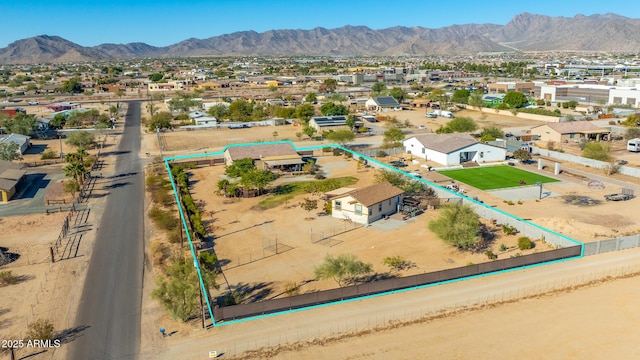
<point>465,234</point>
<point>49,154</point>
<point>208,260</point>
<point>41,329</point>
<point>508,229</point>
<point>159,252</point>
<point>503,247</point>
<point>164,218</point>
<point>292,288</point>
<point>524,243</point>
<point>381,153</point>
<point>490,255</point>
<point>396,263</point>
<point>7,278</point>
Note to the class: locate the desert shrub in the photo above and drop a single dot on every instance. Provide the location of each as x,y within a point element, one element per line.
<point>457,225</point>
<point>396,263</point>
<point>503,247</point>
<point>292,288</point>
<point>41,329</point>
<point>159,252</point>
<point>208,260</point>
<point>381,153</point>
<point>49,154</point>
<point>490,255</point>
<point>524,243</point>
<point>175,235</point>
<point>508,229</point>
<point>7,278</point>
<point>164,219</point>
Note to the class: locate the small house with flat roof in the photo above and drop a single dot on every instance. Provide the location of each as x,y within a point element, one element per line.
<point>368,204</point>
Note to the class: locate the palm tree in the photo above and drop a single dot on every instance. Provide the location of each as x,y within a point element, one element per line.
<point>76,170</point>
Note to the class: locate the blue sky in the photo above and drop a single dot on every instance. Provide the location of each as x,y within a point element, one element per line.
<point>165,22</point>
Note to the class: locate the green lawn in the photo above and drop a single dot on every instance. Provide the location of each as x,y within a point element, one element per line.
<point>495,177</point>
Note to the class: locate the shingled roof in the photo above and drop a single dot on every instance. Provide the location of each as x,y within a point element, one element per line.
<point>445,143</point>
<point>10,174</point>
<point>261,151</point>
<point>574,127</point>
<point>373,194</point>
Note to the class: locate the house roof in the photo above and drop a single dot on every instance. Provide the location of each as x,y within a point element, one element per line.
<point>445,143</point>
<point>574,127</point>
<point>330,120</point>
<point>15,138</point>
<point>260,151</point>
<point>386,101</point>
<point>373,194</point>
<point>10,174</point>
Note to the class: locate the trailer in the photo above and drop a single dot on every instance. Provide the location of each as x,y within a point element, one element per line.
<point>633,145</point>
<point>625,195</point>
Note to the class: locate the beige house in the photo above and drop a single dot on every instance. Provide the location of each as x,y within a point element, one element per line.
<point>571,131</point>
<point>11,176</point>
<point>368,204</point>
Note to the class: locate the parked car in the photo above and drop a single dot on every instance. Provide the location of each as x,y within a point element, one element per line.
<point>33,103</point>
<point>431,115</point>
<point>398,163</point>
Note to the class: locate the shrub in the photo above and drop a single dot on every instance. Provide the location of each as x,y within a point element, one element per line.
<point>41,329</point>
<point>490,255</point>
<point>164,218</point>
<point>503,247</point>
<point>524,243</point>
<point>49,154</point>
<point>508,229</point>
<point>292,288</point>
<point>159,252</point>
<point>208,260</point>
<point>7,278</point>
<point>396,263</point>
<point>381,153</point>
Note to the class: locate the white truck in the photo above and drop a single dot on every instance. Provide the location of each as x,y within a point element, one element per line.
<point>444,113</point>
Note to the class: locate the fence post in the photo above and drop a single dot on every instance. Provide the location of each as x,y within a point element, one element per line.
<point>51,253</point>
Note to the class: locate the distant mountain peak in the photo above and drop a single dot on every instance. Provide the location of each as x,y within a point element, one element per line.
<point>525,31</point>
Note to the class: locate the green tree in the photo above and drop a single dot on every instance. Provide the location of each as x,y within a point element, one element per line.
<point>343,269</point>
<point>522,155</point>
<point>155,77</point>
<point>73,86</point>
<point>351,121</point>
<point>632,133</point>
<point>184,103</point>
<point>241,110</point>
<point>459,124</point>
<point>81,139</point>
<point>311,98</point>
<point>309,205</point>
<point>257,179</point>
<point>491,133</point>
<point>397,93</point>
<point>10,151</point>
<point>457,225</point>
<point>305,111</point>
<point>239,167</point>
<point>475,99</point>
<point>58,121</point>
<point>329,85</point>
<point>309,131</point>
<point>341,137</point>
<point>76,170</point>
<point>21,123</point>
<point>393,137</point>
<point>161,120</point>
<point>396,263</point>
<point>333,109</point>
<point>461,96</point>
<point>219,111</point>
<point>378,88</point>
<point>596,151</point>
<point>515,99</point>
<point>179,291</point>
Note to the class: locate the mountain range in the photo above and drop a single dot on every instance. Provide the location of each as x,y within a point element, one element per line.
<point>525,32</point>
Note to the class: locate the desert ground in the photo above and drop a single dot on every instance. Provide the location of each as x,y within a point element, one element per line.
<point>51,291</point>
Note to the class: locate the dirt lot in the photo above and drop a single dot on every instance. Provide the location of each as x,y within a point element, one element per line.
<point>241,233</point>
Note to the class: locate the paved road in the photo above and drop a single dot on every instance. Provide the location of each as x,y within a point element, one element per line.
<point>112,296</point>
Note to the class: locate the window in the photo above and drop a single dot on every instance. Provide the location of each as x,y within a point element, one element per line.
<point>338,205</point>
<point>358,209</point>
<point>423,150</point>
<point>380,206</point>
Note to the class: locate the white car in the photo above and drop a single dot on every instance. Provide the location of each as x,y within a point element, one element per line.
<point>33,103</point>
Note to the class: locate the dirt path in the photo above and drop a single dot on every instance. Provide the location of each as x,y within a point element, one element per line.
<point>336,320</point>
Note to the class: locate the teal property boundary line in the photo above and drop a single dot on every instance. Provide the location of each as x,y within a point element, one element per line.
<point>369,160</point>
